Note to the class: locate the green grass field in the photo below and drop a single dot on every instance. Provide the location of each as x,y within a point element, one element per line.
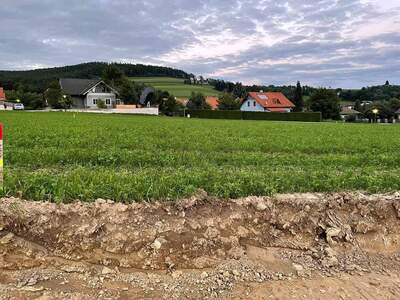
<point>175,86</point>
<point>59,157</point>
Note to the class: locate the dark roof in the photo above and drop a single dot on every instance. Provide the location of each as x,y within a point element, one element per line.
<point>147,91</point>
<point>76,87</point>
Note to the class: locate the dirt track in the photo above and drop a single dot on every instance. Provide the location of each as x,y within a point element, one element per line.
<point>308,246</point>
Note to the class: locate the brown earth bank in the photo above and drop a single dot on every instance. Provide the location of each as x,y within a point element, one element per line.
<point>298,246</point>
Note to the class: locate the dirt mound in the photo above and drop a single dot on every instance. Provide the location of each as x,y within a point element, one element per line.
<point>201,247</point>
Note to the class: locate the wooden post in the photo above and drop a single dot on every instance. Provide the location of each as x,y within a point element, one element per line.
<point>1,157</point>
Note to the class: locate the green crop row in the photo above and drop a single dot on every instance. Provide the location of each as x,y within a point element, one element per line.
<point>64,156</point>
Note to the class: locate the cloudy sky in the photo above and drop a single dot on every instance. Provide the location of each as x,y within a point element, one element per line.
<point>346,43</point>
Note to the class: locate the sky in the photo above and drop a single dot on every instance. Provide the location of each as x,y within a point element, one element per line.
<point>331,43</point>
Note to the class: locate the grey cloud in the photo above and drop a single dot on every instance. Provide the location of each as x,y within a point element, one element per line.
<point>314,41</point>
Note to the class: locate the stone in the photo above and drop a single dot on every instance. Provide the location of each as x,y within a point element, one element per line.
<point>261,206</point>
<point>330,262</point>
<point>211,233</point>
<point>106,271</point>
<point>72,269</point>
<point>236,273</point>
<point>226,274</point>
<point>330,252</point>
<point>176,274</point>
<point>331,233</point>
<point>7,238</point>
<point>298,268</point>
<point>242,232</point>
<point>236,252</point>
<point>32,289</point>
<point>156,244</point>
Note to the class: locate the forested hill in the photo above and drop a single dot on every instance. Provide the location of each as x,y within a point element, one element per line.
<point>38,80</point>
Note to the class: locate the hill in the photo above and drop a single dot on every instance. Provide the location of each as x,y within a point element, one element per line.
<point>176,86</point>
<point>38,80</point>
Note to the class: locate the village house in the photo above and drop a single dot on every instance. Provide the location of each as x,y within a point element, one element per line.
<point>348,113</point>
<point>267,102</point>
<point>85,93</point>
<point>213,102</point>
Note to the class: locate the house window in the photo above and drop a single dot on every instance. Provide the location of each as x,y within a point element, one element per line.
<point>248,103</point>
<point>254,103</point>
<point>108,101</point>
<point>94,101</point>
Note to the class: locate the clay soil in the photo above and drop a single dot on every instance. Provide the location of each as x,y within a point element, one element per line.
<point>302,246</point>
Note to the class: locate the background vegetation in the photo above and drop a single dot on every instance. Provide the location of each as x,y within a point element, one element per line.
<point>66,156</point>
<point>176,86</point>
<point>38,80</point>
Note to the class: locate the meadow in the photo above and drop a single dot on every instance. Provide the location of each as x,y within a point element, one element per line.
<point>176,86</point>
<point>64,156</point>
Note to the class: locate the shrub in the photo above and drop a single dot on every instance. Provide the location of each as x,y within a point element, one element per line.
<point>244,115</point>
<point>101,104</point>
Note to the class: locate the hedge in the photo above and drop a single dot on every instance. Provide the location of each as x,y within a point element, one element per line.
<point>246,115</point>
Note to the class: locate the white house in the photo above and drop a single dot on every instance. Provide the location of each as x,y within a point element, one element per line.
<point>85,93</point>
<point>267,102</point>
<point>348,113</point>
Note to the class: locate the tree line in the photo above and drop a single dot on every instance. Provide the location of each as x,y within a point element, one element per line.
<point>37,81</point>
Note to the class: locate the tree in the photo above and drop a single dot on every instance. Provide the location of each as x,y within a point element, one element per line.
<point>112,75</point>
<point>228,102</point>
<point>387,82</point>
<point>54,96</point>
<point>357,105</point>
<point>32,100</point>
<point>127,92</point>
<point>327,102</point>
<point>394,104</point>
<point>239,91</point>
<point>197,101</point>
<point>29,99</point>
<point>298,98</point>
<point>169,105</point>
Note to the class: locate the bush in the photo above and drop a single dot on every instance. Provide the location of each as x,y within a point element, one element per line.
<point>101,104</point>
<point>216,114</point>
<point>244,115</point>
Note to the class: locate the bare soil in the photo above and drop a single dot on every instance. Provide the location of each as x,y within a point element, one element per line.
<point>300,246</point>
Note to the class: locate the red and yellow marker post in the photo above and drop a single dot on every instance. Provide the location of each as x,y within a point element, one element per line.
<point>1,156</point>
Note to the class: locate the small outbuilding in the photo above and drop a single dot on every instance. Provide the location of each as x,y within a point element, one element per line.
<point>348,113</point>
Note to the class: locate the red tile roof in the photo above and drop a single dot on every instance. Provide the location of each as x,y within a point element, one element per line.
<point>272,100</point>
<point>2,94</point>
<point>213,102</point>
